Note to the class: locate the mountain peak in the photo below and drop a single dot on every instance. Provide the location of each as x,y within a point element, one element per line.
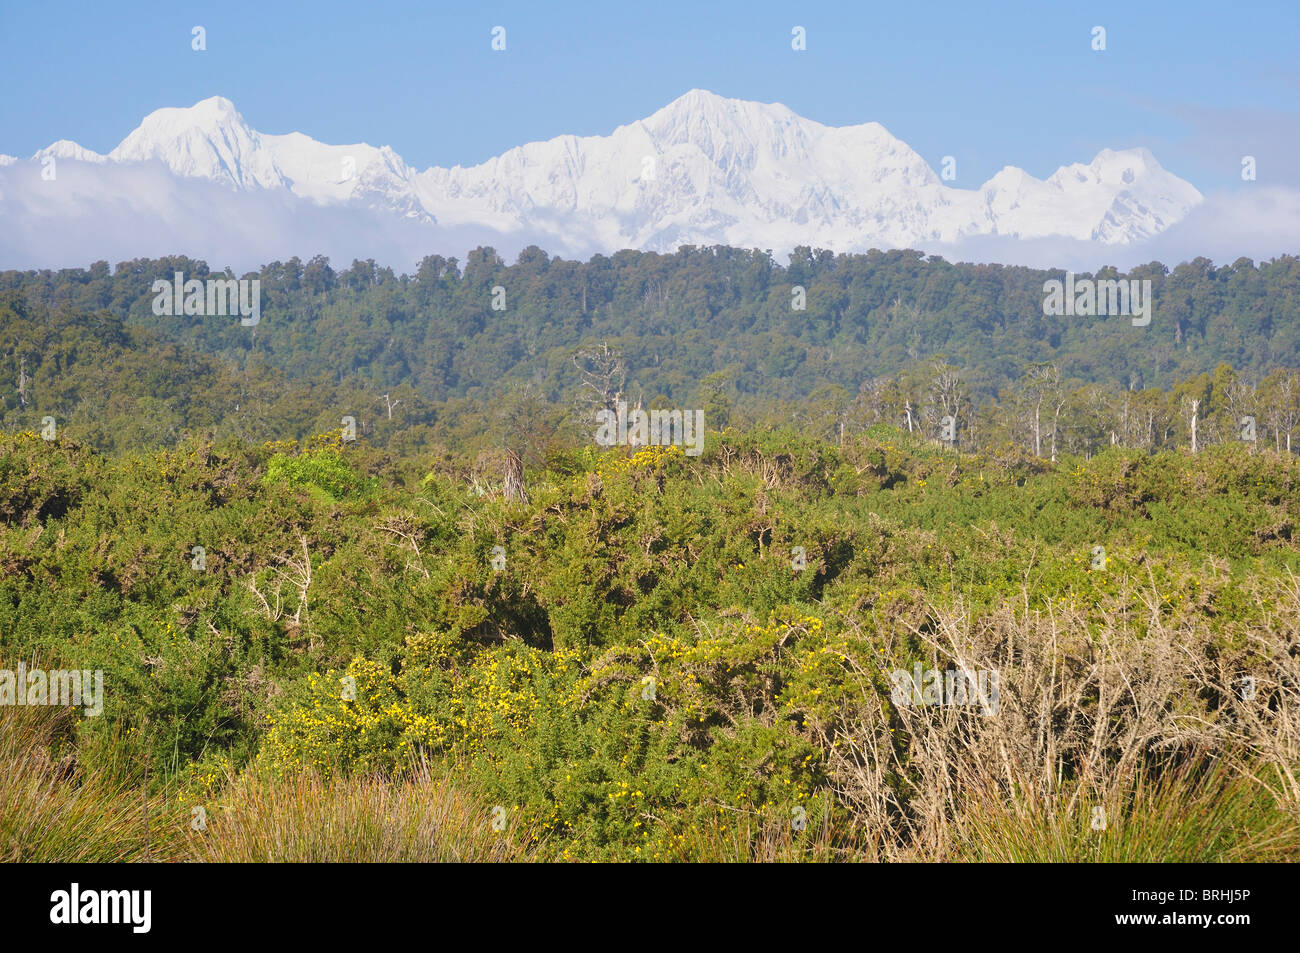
<point>728,132</point>
<point>212,114</point>
<point>704,169</point>
<point>217,108</point>
<point>704,102</point>
<point>700,98</point>
<point>208,140</point>
<point>67,149</point>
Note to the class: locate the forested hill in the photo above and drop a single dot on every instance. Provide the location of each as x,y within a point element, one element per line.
<point>681,317</point>
<point>703,325</point>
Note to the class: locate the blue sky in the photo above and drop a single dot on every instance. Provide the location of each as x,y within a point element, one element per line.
<point>1200,84</point>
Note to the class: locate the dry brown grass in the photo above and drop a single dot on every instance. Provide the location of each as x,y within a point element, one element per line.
<point>421,817</point>
<point>54,811</point>
<point>1088,715</point>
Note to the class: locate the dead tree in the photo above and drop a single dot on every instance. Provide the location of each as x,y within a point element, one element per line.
<point>514,478</point>
<point>603,374</point>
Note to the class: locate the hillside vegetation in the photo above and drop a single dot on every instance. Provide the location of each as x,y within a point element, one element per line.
<point>667,657</point>
<point>716,328</point>
<point>950,580</point>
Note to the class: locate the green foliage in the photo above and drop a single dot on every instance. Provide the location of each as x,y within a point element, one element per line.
<point>650,663</point>
<point>678,653</point>
<point>416,360</point>
<point>322,472</point>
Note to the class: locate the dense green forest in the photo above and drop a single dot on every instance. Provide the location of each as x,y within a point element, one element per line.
<point>426,360</point>
<point>679,318</point>
<point>470,632</point>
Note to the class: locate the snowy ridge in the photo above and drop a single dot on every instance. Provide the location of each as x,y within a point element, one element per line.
<point>703,170</point>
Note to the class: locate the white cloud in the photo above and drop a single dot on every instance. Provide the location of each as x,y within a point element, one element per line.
<point>92,212</point>
<point>1253,223</point>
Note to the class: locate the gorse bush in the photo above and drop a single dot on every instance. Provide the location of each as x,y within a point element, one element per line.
<point>321,470</point>
<point>663,657</point>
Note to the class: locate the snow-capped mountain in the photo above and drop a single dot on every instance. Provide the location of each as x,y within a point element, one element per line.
<point>67,149</point>
<point>702,170</point>
<point>706,170</point>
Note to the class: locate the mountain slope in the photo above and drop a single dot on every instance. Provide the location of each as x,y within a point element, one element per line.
<point>703,170</point>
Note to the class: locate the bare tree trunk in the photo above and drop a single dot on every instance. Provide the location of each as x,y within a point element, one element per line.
<point>1056,424</point>
<point>514,478</point>
<point>300,579</point>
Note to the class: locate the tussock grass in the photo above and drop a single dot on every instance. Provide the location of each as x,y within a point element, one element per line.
<point>759,840</point>
<point>52,811</point>
<point>420,817</point>
<point>1197,813</point>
